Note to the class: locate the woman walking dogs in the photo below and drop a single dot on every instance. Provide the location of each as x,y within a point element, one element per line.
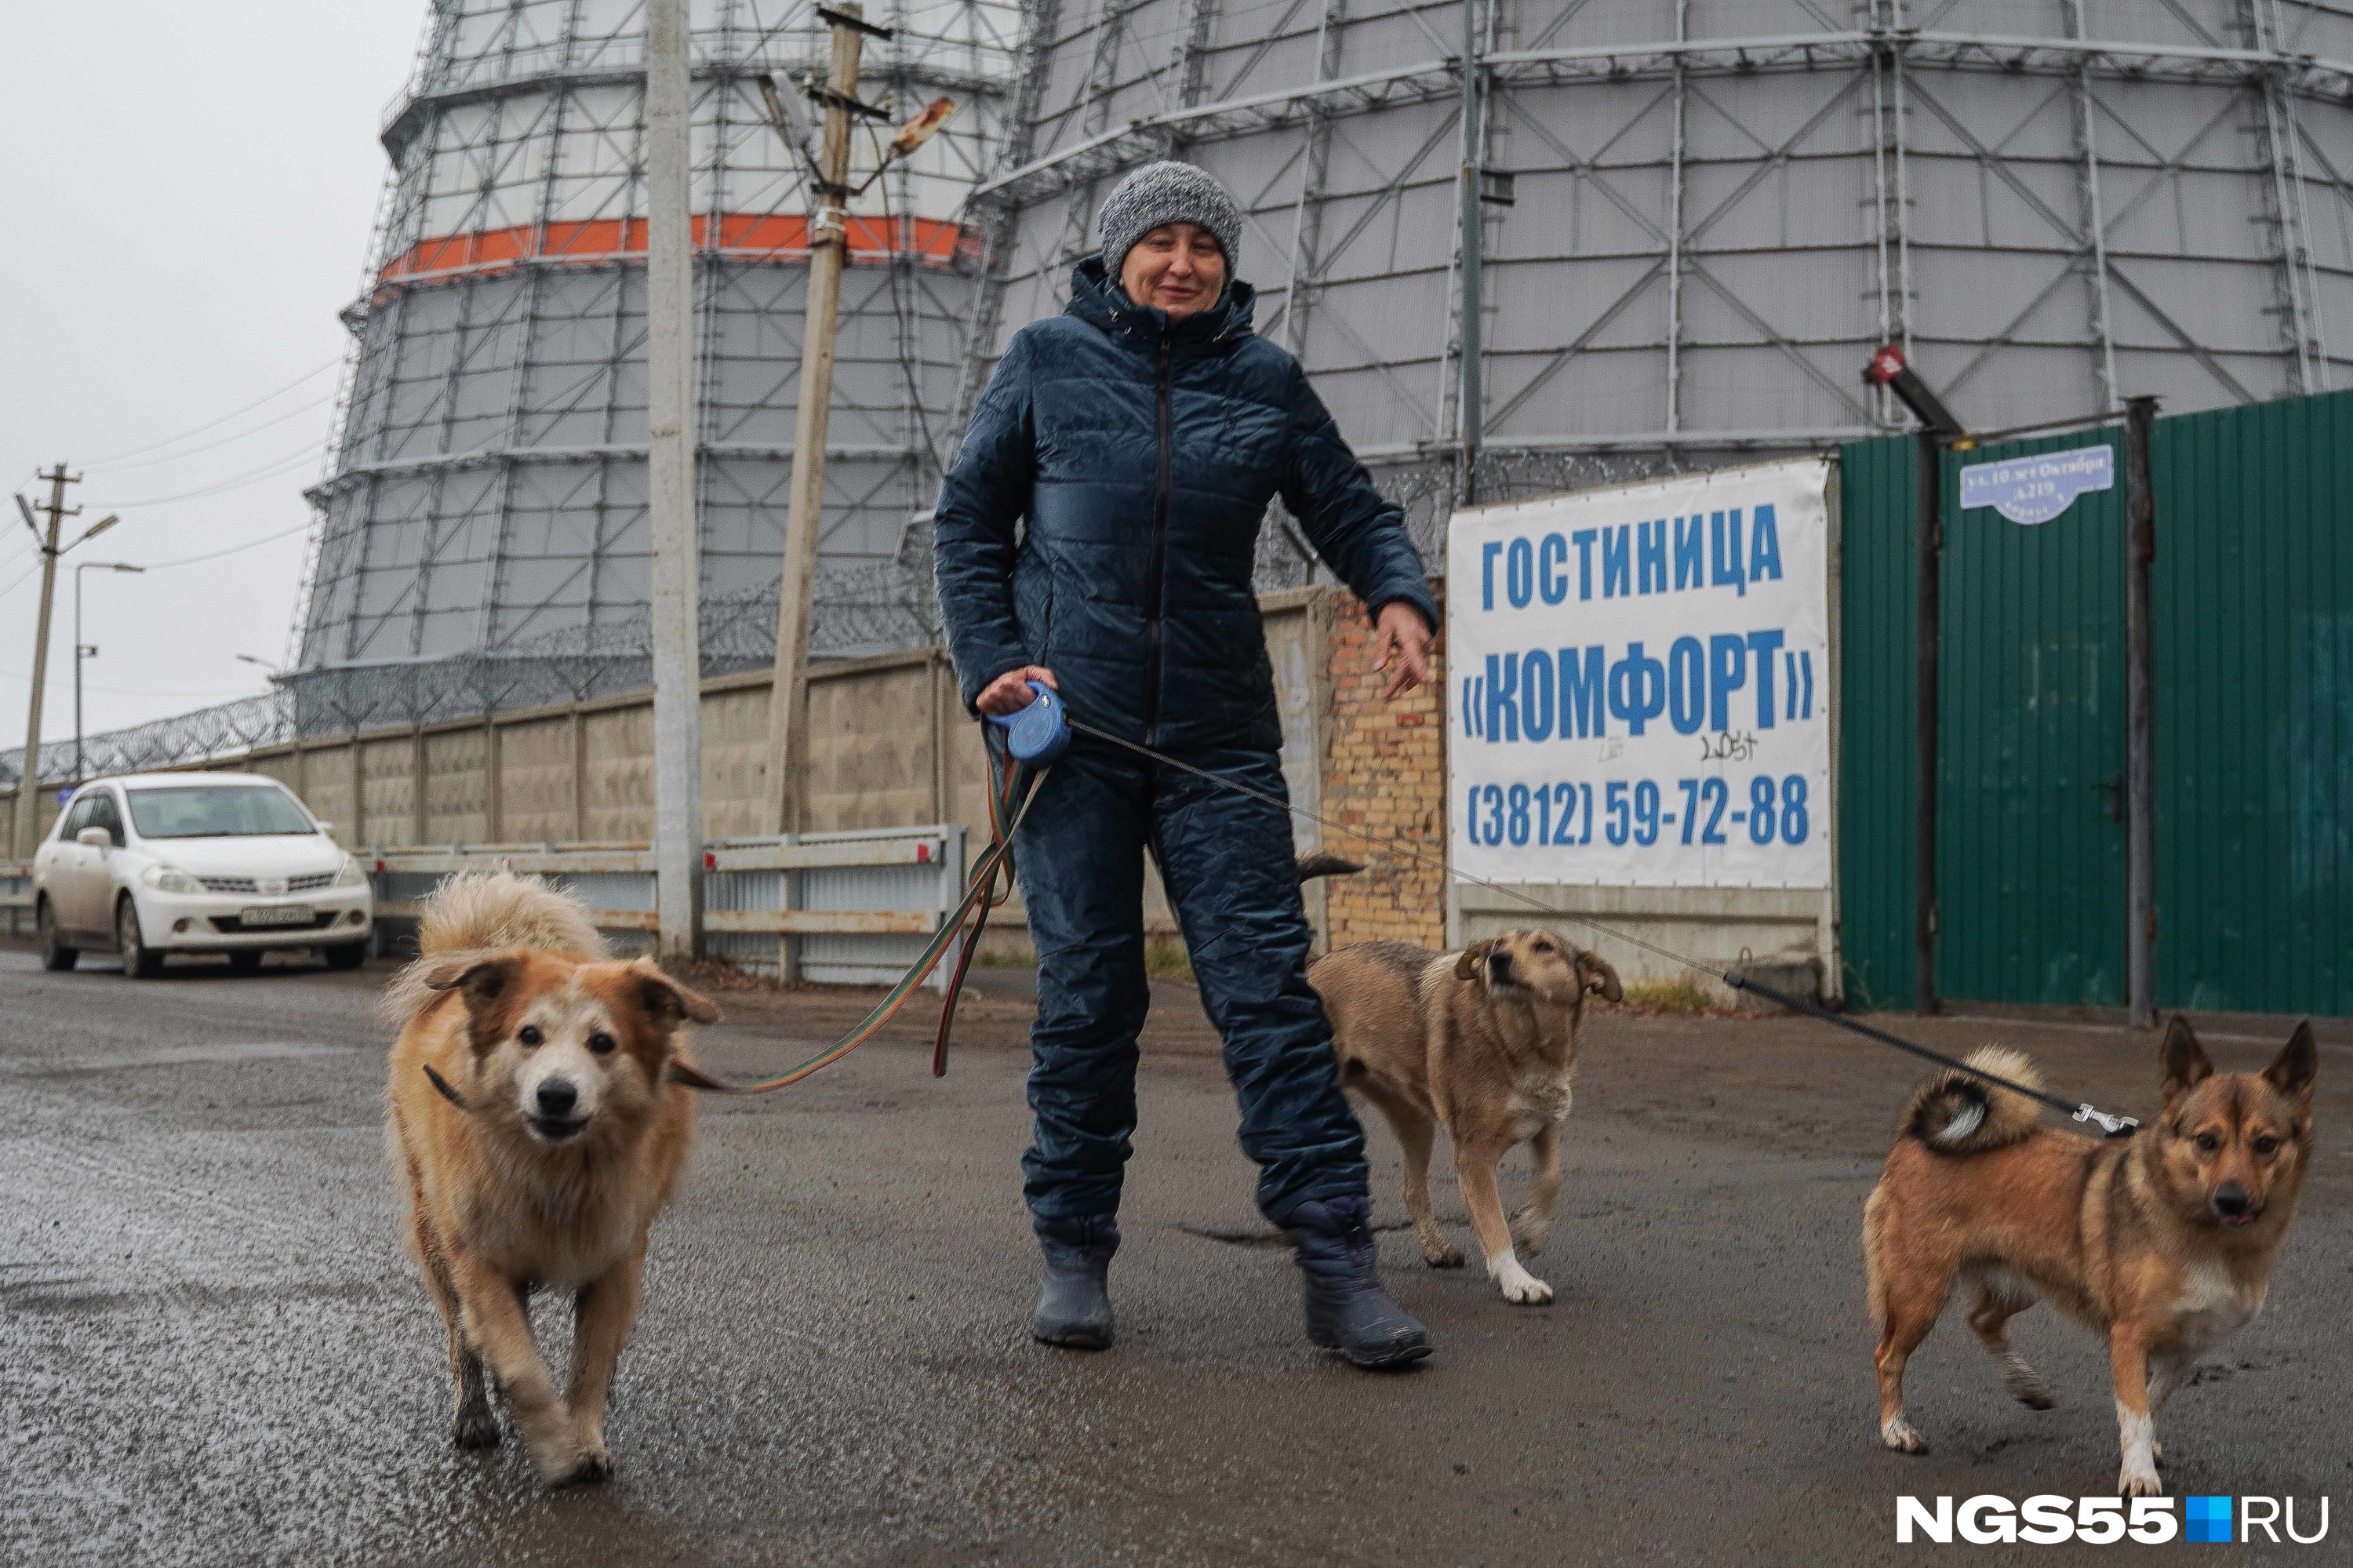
<point>1140,435</point>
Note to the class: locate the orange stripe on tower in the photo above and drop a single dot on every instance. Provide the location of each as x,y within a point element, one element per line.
<point>934,241</point>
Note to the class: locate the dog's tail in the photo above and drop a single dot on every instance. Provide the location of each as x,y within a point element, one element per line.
<point>1322,864</point>
<point>497,910</point>
<point>1953,1113</point>
<point>489,912</point>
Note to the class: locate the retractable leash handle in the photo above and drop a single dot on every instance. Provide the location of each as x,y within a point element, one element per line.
<point>1037,735</point>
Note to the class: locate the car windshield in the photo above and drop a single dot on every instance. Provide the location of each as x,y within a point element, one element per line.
<point>216,812</point>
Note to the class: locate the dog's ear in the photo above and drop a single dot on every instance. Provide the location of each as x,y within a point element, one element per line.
<point>2297,1064</point>
<point>1467,966</point>
<point>1595,972</point>
<point>667,1003</point>
<point>484,981</point>
<point>2185,1062</point>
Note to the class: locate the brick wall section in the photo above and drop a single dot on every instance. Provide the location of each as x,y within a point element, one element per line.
<point>1385,770</point>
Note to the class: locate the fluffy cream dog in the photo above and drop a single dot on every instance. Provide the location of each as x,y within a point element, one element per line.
<point>531,1115</point>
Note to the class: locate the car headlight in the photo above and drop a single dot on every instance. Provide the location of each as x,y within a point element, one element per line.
<point>163,879</point>
<point>350,875</point>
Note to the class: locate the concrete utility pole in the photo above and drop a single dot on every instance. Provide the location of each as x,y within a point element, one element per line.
<point>28,782</point>
<point>828,252</point>
<point>670,441</point>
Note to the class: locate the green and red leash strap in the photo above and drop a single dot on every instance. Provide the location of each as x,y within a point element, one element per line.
<point>1013,787</point>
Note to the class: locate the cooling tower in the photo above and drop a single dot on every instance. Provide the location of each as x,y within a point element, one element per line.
<point>485,524</point>
<point>1705,214</point>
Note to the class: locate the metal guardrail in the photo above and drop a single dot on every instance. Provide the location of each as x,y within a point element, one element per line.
<point>848,908</point>
<point>16,893</point>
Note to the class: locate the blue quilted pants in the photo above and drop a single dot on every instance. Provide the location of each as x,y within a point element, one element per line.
<point>1226,862</point>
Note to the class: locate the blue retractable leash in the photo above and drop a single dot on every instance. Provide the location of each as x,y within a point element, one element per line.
<point>1038,734</point>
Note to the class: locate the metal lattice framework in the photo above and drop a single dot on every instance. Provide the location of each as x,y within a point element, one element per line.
<point>488,492</point>
<point>1721,209</point>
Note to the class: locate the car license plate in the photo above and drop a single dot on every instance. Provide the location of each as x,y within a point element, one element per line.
<point>277,914</point>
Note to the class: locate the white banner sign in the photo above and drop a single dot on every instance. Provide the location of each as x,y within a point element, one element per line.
<point>1641,687</point>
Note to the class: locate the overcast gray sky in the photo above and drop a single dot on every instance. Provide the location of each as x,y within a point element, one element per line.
<point>189,190</point>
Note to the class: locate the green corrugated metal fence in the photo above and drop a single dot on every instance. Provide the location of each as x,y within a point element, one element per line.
<point>2253,621</point>
<point>1876,616</point>
<point>2254,632</point>
<point>2030,837</point>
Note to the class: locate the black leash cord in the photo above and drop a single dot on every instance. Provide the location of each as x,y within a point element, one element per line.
<point>2110,1124</point>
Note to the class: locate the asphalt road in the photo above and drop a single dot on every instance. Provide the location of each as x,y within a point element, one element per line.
<point>211,1349</point>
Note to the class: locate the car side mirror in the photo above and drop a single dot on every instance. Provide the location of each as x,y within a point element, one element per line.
<point>326,829</point>
<point>95,837</point>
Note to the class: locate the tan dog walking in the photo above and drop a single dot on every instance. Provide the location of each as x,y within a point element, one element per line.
<point>2163,1243</point>
<point>1482,1042</point>
<point>532,1116</point>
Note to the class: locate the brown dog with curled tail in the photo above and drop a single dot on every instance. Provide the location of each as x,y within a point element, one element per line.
<point>2163,1243</point>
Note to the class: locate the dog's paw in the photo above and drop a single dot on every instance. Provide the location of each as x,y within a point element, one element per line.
<point>476,1428</point>
<point>1444,1257</point>
<point>2028,1390</point>
<point>2133,1481</point>
<point>1902,1436</point>
<point>1524,1290</point>
<point>1529,1234</point>
<point>1519,1287</point>
<point>579,1468</point>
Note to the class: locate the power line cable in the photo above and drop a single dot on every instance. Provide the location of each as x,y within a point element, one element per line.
<point>275,470</point>
<point>213,424</point>
<point>225,440</point>
<point>227,550</point>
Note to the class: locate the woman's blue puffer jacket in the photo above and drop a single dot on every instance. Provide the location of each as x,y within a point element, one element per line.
<point>1143,454</point>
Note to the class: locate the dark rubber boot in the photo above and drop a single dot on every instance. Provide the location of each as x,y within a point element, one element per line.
<point>1347,1310</point>
<point>1073,1309</point>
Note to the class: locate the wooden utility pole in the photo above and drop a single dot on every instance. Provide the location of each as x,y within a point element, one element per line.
<point>670,463</point>
<point>828,252</point>
<point>28,780</point>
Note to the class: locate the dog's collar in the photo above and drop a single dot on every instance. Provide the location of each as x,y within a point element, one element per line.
<point>442,1083</point>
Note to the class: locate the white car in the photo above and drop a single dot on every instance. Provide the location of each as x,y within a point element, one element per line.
<point>155,863</point>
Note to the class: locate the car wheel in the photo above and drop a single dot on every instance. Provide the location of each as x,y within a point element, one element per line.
<point>138,960</point>
<point>345,954</point>
<point>55,954</point>
<point>244,962</point>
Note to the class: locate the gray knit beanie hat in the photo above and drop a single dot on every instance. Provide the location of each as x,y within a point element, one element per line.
<point>1167,192</point>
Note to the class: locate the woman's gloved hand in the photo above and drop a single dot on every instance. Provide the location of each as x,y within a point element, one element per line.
<point>1400,648</point>
<point>1010,692</point>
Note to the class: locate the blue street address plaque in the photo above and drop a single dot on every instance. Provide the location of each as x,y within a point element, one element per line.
<point>2032,490</point>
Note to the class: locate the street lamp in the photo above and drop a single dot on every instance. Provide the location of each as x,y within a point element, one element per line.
<point>264,665</point>
<point>88,649</point>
